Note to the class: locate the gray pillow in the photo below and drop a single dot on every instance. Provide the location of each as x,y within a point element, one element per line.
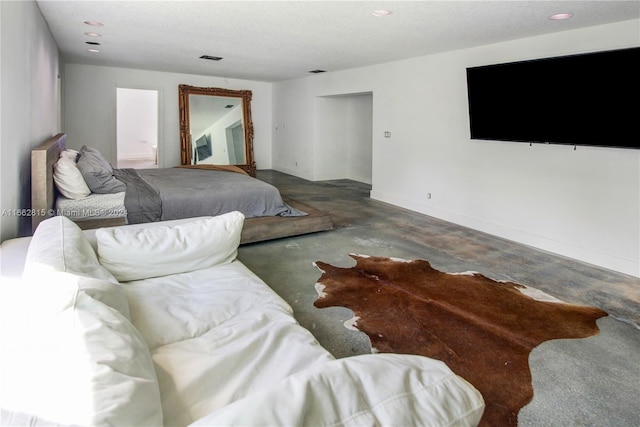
<point>98,173</point>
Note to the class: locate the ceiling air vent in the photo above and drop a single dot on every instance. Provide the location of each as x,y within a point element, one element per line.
<point>211,58</point>
<point>317,71</point>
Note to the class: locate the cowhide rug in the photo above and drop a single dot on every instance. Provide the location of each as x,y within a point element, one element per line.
<point>482,329</point>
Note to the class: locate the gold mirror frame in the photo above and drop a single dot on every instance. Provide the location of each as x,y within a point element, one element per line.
<point>185,139</point>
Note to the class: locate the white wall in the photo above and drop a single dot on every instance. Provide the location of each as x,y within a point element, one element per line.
<point>330,159</point>
<point>90,108</point>
<point>583,204</point>
<point>343,140</point>
<point>29,112</point>
<point>137,123</point>
<point>360,138</point>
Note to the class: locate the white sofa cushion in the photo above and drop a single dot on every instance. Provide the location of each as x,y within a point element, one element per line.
<point>58,244</point>
<point>222,323</point>
<point>175,308</point>
<point>244,355</point>
<point>134,253</point>
<point>101,290</point>
<point>366,390</point>
<point>70,359</point>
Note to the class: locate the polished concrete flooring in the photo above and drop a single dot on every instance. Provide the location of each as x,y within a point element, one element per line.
<point>586,382</point>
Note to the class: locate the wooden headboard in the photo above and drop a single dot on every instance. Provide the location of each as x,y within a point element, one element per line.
<point>43,190</point>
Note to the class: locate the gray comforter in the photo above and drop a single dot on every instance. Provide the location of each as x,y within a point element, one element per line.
<point>142,201</point>
<point>176,193</point>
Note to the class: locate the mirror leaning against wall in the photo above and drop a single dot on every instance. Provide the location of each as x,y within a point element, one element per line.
<point>216,127</point>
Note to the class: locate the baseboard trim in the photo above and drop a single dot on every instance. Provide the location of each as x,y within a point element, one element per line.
<point>136,157</point>
<point>604,260</point>
<point>293,172</point>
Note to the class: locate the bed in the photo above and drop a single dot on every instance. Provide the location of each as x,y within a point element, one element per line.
<point>171,193</point>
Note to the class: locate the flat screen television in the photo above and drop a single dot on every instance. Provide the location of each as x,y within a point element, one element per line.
<point>203,148</point>
<point>586,99</point>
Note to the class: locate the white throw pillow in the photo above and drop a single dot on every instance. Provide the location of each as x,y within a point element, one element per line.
<point>72,360</point>
<point>69,180</point>
<point>133,253</point>
<point>59,245</point>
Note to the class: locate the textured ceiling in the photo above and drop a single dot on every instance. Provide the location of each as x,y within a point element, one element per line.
<point>279,40</point>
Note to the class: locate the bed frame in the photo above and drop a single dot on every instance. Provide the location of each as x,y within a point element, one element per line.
<point>44,193</point>
<point>43,189</point>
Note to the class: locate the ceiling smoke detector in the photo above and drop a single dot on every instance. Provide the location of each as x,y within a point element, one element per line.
<point>211,58</point>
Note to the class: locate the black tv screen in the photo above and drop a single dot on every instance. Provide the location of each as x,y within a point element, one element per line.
<point>586,99</point>
<point>203,148</point>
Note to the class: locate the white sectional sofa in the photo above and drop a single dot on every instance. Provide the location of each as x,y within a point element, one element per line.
<point>160,324</point>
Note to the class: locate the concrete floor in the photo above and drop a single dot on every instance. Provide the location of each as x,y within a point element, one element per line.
<point>587,382</point>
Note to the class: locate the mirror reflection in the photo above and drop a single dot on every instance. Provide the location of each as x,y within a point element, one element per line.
<point>215,127</point>
<point>217,130</point>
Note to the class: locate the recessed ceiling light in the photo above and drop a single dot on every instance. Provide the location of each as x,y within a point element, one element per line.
<point>93,50</point>
<point>93,43</point>
<point>317,71</point>
<point>560,16</point>
<point>380,13</point>
<point>94,23</point>
<point>90,34</point>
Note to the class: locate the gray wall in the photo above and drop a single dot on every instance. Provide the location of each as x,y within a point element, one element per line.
<point>30,105</point>
<point>90,108</point>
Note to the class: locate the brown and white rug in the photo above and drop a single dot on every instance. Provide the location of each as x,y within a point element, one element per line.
<point>482,329</point>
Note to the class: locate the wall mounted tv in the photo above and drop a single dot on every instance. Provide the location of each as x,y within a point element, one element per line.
<point>585,99</point>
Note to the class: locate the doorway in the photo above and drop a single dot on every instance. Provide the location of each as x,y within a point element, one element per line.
<point>343,137</point>
<point>235,143</point>
<point>137,128</point>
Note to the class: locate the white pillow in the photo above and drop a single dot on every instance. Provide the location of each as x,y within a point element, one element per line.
<point>70,154</point>
<point>69,180</point>
<point>59,245</point>
<point>72,360</point>
<point>132,253</point>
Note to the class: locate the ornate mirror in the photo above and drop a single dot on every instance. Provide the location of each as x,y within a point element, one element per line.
<point>216,127</point>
